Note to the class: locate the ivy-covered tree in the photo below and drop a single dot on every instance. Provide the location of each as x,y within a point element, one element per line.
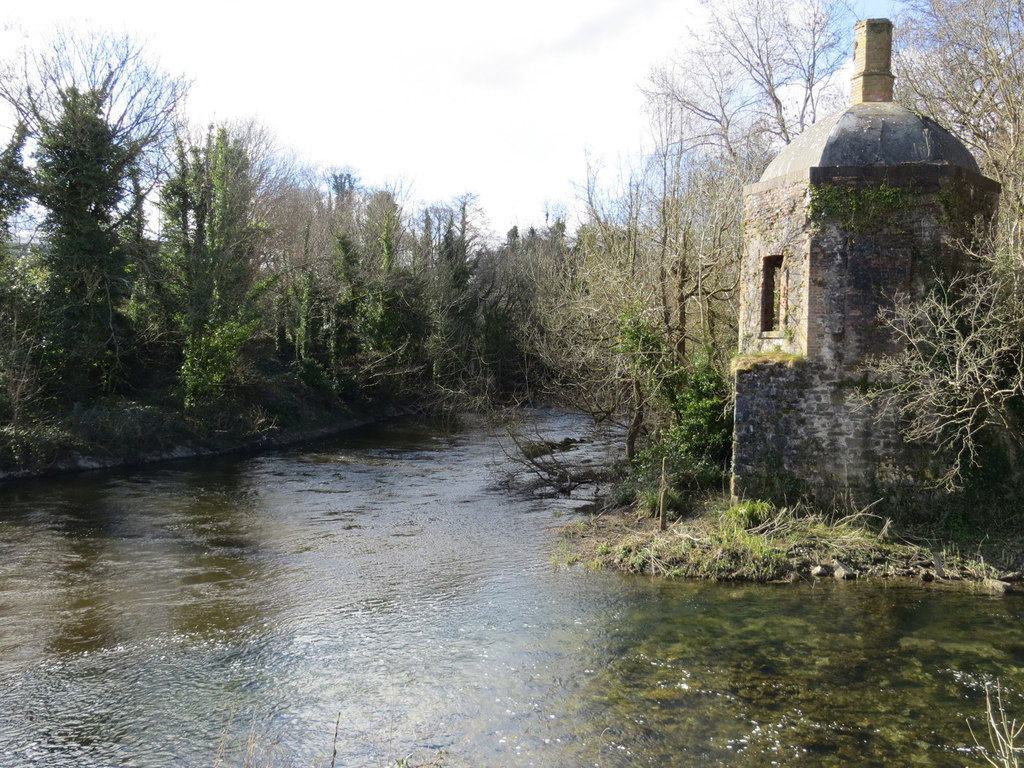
<point>20,332</point>
<point>95,113</point>
<point>211,239</point>
<point>80,180</point>
<point>15,180</point>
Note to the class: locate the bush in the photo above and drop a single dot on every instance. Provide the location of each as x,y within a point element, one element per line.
<point>212,361</point>
<point>702,420</point>
<point>34,446</point>
<point>697,444</point>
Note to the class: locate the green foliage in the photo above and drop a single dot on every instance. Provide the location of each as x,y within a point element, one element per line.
<point>500,349</point>
<point>751,514</point>
<point>34,446</point>
<point>211,236</point>
<point>723,553</point>
<point>454,305</point>
<point>390,324</point>
<point>698,441</point>
<point>649,502</point>
<point>211,361</point>
<point>15,179</point>
<point>734,554</point>
<point>642,344</point>
<point>211,293</point>
<point>125,429</point>
<point>692,394</point>
<point>703,419</point>
<point>962,211</point>
<point>858,209</point>
<point>363,304</point>
<point>81,179</point>
<point>379,319</point>
<point>694,448</point>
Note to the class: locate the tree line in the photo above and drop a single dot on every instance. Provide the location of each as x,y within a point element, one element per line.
<point>206,273</point>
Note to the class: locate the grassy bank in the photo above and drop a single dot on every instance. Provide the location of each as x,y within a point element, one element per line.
<point>755,541</point>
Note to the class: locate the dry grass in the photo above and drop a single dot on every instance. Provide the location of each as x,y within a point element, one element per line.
<point>1003,732</point>
<point>756,542</point>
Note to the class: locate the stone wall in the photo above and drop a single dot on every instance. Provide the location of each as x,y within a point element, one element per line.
<point>803,434</point>
<point>776,225</point>
<point>859,263</point>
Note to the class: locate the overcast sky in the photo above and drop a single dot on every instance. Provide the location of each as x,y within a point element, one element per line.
<point>504,100</point>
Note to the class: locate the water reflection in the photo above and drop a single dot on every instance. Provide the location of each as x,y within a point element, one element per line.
<point>154,618</point>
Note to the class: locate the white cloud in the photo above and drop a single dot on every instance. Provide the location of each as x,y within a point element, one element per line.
<point>452,96</point>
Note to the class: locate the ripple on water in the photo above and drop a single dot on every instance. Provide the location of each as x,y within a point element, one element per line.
<point>389,578</point>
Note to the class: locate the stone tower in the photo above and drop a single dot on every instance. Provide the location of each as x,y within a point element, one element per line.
<point>860,208</point>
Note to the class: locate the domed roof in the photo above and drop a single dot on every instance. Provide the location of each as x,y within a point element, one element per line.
<point>871,133</point>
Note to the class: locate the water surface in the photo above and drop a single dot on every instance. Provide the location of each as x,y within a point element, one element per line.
<point>389,584</point>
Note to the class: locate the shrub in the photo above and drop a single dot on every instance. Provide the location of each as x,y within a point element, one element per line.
<point>702,420</point>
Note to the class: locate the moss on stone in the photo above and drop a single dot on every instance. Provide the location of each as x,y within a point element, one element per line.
<point>961,211</point>
<point>858,209</point>
<point>749,362</point>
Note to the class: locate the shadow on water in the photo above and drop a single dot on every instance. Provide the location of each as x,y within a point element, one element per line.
<point>163,616</point>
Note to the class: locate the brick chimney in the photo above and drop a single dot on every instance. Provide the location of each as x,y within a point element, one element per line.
<point>872,53</point>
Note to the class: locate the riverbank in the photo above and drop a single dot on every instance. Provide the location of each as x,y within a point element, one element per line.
<point>756,542</point>
<point>134,434</point>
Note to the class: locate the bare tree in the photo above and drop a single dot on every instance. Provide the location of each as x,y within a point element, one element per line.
<point>959,383</point>
<point>138,101</point>
<point>21,382</point>
<point>960,378</point>
<point>652,277</point>
<point>763,72</point>
<point>962,62</point>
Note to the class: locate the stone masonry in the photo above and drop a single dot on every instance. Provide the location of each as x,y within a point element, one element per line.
<point>862,208</point>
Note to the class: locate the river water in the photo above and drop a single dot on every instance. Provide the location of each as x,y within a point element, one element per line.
<point>387,594</point>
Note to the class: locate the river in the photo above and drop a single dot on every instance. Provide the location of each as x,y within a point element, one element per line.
<point>386,594</point>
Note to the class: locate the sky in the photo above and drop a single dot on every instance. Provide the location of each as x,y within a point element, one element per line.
<point>507,101</point>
